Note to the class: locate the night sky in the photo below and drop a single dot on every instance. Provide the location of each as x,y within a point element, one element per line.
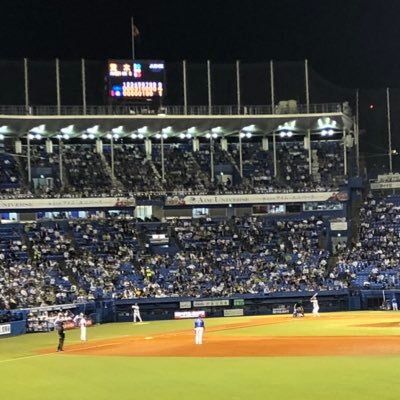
<point>353,43</point>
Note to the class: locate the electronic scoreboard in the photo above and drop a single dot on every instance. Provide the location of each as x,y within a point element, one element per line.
<point>138,79</point>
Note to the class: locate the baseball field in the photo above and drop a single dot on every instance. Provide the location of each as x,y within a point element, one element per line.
<point>354,355</point>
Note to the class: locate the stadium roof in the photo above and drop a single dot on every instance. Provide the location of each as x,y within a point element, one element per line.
<point>171,125</point>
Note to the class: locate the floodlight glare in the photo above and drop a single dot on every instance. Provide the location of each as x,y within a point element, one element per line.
<point>118,130</point>
<point>208,135</point>
<point>168,129</point>
<point>188,136</point>
<point>248,135</point>
<point>158,136</point>
<point>109,136</point>
<point>65,136</point>
<point>215,135</point>
<point>133,136</point>
<point>142,130</point>
<point>1,136</point>
<point>164,136</point>
<point>84,136</point>
<point>93,129</point>
<point>91,136</point>
<point>140,136</point>
<point>68,129</point>
<point>38,136</point>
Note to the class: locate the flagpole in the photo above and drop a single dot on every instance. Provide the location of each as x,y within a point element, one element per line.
<point>133,38</point>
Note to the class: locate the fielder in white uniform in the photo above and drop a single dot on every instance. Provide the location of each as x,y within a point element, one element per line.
<point>82,325</point>
<point>136,313</point>
<point>199,330</point>
<point>315,304</point>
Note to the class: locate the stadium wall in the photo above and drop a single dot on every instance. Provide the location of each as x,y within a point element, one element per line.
<point>109,311</point>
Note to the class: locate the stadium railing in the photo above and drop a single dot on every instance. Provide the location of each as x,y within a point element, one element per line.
<point>166,110</point>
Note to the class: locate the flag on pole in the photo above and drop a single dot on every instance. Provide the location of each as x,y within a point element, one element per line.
<point>135,31</point>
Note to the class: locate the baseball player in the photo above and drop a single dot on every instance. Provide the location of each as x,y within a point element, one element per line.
<point>394,304</point>
<point>315,304</point>
<point>82,325</point>
<point>199,330</point>
<point>61,336</point>
<point>136,313</point>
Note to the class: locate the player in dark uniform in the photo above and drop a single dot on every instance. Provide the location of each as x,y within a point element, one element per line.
<point>61,336</point>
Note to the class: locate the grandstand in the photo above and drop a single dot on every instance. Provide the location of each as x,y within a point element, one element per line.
<point>151,200</point>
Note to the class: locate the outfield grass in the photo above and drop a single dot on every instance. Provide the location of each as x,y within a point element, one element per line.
<point>28,375</point>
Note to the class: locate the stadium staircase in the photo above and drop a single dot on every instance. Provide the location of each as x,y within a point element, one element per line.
<point>316,176</point>
<point>22,171</point>
<point>115,182</point>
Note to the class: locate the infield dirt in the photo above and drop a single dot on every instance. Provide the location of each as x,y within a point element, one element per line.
<point>181,344</point>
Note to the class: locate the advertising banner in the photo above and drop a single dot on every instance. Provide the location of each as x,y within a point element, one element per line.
<point>211,303</point>
<point>185,304</point>
<point>66,203</point>
<point>5,329</point>
<point>280,309</point>
<point>225,199</point>
<point>385,185</point>
<point>189,314</point>
<point>234,312</point>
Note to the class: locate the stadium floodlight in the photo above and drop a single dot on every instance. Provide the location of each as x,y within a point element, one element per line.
<point>289,134</point>
<point>217,130</point>
<point>167,130</point>
<point>109,136</point>
<point>324,132</point>
<point>208,135</point>
<point>143,130</point>
<point>31,136</point>
<point>1,136</point>
<point>38,136</point>
<point>67,130</point>
<point>140,136</point>
<point>84,135</point>
<point>326,122</point>
<point>94,129</point>
<point>215,135</point>
<point>242,134</point>
<point>65,136</point>
<point>115,136</point>
<point>282,134</point>
<point>38,129</point>
<point>188,136</point>
<point>330,132</point>
<point>182,135</point>
<point>158,136</point>
<point>249,135</point>
<point>91,136</point>
<point>59,137</point>
<point>118,130</point>
<point>164,136</point>
<point>133,135</point>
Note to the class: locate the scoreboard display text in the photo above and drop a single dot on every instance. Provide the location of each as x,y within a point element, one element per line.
<point>139,79</point>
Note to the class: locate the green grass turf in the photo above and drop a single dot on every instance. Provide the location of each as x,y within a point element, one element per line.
<point>26,375</point>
